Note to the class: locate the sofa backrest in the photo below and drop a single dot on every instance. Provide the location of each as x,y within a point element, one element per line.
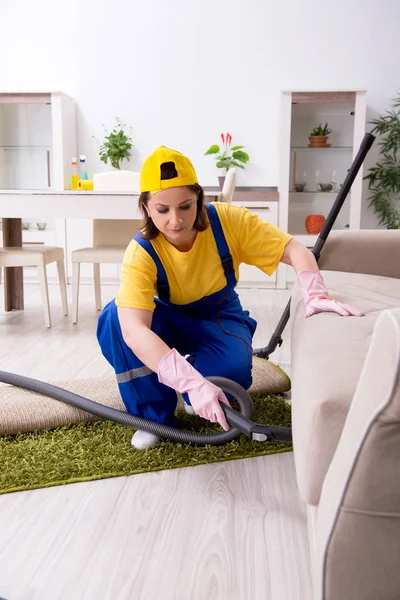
<point>373,252</point>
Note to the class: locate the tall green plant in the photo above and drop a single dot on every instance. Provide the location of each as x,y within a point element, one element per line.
<point>384,178</point>
<point>116,145</point>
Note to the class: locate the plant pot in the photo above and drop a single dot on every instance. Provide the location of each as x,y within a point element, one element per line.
<point>326,187</point>
<point>221,180</point>
<point>314,223</point>
<point>317,141</point>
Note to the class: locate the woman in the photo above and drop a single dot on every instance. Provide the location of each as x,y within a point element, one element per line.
<point>188,256</point>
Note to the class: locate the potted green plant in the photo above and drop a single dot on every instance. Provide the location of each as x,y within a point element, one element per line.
<point>116,145</point>
<point>114,149</point>
<point>228,156</point>
<point>319,135</point>
<point>384,178</point>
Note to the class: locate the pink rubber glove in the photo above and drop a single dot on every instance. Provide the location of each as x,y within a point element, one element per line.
<point>317,299</point>
<point>205,397</point>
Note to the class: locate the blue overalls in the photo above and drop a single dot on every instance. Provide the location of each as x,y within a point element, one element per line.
<point>215,331</point>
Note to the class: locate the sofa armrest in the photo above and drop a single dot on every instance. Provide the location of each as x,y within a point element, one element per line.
<point>358,525</point>
<point>369,251</point>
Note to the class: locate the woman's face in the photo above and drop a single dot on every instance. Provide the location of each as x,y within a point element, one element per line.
<point>173,211</point>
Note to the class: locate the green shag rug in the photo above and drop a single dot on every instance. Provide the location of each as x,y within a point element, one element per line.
<point>102,449</point>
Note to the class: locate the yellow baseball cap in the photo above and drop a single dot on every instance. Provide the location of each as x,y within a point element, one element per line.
<point>150,174</point>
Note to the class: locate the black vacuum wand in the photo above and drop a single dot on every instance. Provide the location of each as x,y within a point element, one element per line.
<point>276,338</point>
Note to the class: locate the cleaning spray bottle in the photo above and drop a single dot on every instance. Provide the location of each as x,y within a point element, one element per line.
<point>75,175</point>
<point>82,167</point>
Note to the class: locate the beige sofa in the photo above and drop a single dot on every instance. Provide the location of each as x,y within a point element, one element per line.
<point>346,419</point>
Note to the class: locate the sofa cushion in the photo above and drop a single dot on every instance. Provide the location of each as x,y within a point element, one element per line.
<point>328,352</point>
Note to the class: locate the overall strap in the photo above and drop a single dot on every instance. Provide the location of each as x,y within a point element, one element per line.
<point>162,280</point>
<point>223,248</point>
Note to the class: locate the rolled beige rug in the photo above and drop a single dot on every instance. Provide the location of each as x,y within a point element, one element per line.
<point>22,410</point>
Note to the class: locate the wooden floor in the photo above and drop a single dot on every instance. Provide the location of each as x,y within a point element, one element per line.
<point>234,530</point>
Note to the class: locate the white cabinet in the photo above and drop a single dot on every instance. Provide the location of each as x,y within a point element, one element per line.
<point>250,276</point>
<point>323,169</point>
<point>37,140</point>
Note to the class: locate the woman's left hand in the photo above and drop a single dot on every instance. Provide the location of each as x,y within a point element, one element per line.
<point>317,305</point>
<point>316,297</point>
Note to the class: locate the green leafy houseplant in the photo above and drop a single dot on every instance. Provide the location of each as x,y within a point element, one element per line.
<point>228,156</point>
<point>116,145</point>
<point>321,130</point>
<point>384,178</point>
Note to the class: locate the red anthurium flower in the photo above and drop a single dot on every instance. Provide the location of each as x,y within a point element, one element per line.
<point>226,156</point>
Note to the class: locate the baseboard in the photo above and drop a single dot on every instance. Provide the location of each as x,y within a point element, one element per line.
<point>35,281</point>
<point>112,281</point>
<point>83,281</point>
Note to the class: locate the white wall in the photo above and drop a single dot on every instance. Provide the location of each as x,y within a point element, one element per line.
<point>180,72</point>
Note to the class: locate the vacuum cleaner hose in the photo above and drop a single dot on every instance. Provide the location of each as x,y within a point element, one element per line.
<point>119,416</point>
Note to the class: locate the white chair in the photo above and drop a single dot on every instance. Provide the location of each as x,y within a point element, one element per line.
<point>110,239</point>
<point>229,186</point>
<point>110,236</point>
<point>38,256</point>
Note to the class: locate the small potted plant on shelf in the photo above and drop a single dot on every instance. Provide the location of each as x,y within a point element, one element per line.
<point>319,136</point>
<point>228,156</point>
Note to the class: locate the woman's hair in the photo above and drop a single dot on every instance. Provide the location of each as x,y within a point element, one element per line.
<point>148,228</point>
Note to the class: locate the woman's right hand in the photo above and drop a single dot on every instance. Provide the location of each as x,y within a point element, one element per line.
<point>176,372</point>
<point>205,398</point>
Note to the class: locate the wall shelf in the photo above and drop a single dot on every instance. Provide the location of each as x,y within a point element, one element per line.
<point>314,192</point>
<point>322,148</point>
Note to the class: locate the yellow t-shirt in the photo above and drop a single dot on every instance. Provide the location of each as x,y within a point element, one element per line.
<point>198,273</point>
